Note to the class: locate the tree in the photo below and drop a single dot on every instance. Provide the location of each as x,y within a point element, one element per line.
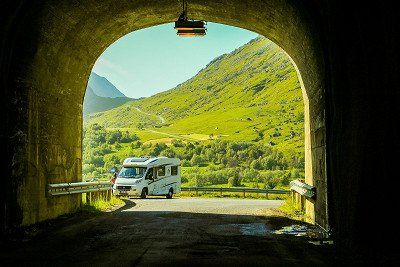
<point>177,143</point>
<point>157,149</point>
<point>232,162</point>
<point>256,165</point>
<point>234,181</point>
<point>272,182</point>
<point>114,136</point>
<point>169,153</point>
<point>117,145</point>
<point>128,137</point>
<point>197,160</point>
<point>136,144</point>
<point>88,168</point>
<point>111,162</point>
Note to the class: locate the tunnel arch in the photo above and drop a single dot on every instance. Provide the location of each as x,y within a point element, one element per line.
<point>71,36</point>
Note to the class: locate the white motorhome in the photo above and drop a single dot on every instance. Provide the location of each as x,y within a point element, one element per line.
<point>157,176</point>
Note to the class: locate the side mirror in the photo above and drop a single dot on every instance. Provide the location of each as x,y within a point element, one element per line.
<point>113,170</point>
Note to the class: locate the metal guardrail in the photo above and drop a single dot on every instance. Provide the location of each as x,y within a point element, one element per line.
<point>86,187</point>
<point>243,190</point>
<point>77,188</point>
<point>302,188</point>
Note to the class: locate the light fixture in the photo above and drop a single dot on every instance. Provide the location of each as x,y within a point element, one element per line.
<point>189,28</point>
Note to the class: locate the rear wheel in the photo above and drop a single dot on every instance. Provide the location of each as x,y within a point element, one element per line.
<point>144,193</point>
<point>170,193</point>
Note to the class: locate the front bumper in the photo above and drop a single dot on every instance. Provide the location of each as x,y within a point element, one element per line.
<point>126,192</point>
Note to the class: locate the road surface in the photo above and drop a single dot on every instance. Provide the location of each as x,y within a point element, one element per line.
<point>177,232</point>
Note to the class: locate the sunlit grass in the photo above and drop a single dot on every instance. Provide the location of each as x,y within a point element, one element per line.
<point>292,209</point>
<point>101,204</point>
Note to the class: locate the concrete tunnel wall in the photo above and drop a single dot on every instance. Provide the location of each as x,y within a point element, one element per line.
<point>347,55</point>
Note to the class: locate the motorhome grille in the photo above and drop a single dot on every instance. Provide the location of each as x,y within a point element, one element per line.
<point>123,187</point>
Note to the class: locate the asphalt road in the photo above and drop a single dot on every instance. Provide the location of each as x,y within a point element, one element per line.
<point>206,205</point>
<point>163,232</point>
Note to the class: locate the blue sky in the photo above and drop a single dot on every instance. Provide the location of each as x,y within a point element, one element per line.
<point>155,59</point>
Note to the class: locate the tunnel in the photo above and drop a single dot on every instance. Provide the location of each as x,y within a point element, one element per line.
<point>345,57</point>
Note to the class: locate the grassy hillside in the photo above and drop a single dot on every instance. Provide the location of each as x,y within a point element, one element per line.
<point>251,94</point>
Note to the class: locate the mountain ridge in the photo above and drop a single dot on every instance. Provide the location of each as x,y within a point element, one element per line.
<point>94,103</point>
<point>103,87</point>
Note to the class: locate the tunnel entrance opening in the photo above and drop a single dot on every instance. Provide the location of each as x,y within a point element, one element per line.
<point>167,140</point>
<point>69,41</point>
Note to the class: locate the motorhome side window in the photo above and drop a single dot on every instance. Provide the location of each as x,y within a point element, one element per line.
<point>161,171</point>
<point>174,170</point>
<point>149,174</point>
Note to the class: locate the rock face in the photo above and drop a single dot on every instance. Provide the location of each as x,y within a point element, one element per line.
<point>347,57</point>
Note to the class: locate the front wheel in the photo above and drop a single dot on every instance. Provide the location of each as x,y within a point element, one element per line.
<point>144,193</point>
<point>170,193</point>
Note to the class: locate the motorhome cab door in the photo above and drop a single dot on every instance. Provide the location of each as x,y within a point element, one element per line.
<point>150,177</point>
<point>159,181</point>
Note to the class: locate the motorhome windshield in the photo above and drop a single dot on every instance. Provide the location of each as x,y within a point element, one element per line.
<point>132,172</point>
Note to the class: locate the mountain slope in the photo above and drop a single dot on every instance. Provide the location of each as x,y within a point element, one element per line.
<point>251,94</point>
<point>102,87</point>
<point>94,103</point>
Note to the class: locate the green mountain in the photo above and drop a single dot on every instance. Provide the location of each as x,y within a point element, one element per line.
<point>251,94</point>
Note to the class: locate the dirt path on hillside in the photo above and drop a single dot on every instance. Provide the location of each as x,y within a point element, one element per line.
<point>162,120</point>
<point>158,231</point>
<point>176,136</point>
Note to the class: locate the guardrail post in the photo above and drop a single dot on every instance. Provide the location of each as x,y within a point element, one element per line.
<point>244,193</point>
<point>266,194</point>
<point>220,190</point>
<point>301,192</point>
<point>88,198</point>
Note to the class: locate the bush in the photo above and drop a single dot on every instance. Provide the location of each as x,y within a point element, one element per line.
<point>272,183</point>
<point>157,149</point>
<point>234,181</point>
<point>185,163</point>
<point>87,168</point>
<point>114,137</point>
<point>136,144</point>
<point>197,160</point>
